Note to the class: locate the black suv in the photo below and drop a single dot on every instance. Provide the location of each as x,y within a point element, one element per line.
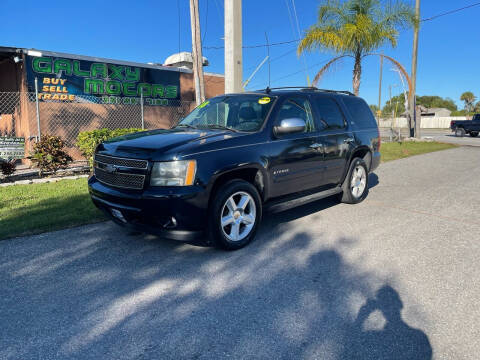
<point>234,157</point>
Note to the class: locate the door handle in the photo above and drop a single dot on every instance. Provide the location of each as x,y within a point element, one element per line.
<point>316,146</point>
<point>349,140</point>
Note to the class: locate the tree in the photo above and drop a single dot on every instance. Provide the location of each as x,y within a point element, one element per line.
<point>429,101</point>
<point>477,108</point>
<point>355,28</point>
<point>374,109</point>
<point>469,99</point>
<point>395,105</point>
<point>436,102</point>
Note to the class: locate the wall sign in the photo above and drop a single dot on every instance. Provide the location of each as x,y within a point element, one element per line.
<point>62,79</point>
<point>12,148</point>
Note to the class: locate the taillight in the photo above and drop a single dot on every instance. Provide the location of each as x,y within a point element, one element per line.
<point>379,139</point>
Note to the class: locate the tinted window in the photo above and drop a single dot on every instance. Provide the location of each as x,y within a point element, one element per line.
<point>330,113</point>
<point>297,107</point>
<point>240,112</point>
<point>360,111</point>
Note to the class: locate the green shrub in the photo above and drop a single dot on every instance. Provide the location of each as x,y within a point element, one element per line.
<point>7,167</point>
<point>49,155</point>
<point>87,141</point>
<point>121,132</point>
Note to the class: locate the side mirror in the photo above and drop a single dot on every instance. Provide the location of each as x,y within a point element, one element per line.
<point>289,126</point>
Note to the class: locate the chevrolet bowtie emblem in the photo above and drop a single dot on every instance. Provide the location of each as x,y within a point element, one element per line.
<point>111,169</point>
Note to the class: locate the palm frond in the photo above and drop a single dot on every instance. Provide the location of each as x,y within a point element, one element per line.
<point>398,14</point>
<point>326,68</point>
<point>398,66</point>
<point>321,37</point>
<point>333,12</point>
<point>356,28</point>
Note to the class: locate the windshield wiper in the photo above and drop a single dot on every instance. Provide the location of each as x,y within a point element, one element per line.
<point>218,126</point>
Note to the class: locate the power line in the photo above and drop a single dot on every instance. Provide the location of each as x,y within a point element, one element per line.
<point>290,17</point>
<point>178,10</point>
<point>305,65</point>
<point>275,58</point>
<point>206,24</point>
<point>297,40</point>
<point>451,12</point>
<point>296,72</point>
<point>254,46</point>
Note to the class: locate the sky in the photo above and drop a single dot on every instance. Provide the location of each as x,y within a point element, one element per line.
<point>149,31</point>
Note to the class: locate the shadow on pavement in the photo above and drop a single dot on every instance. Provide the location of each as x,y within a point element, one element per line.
<point>395,340</point>
<point>96,293</point>
<point>310,208</point>
<point>372,180</point>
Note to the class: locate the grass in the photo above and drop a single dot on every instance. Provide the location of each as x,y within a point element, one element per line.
<point>396,150</point>
<point>37,208</point>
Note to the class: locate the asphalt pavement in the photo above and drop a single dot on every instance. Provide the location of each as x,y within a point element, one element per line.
<point>449,137</point>
<point>394,277</point>
<point>441,135</point>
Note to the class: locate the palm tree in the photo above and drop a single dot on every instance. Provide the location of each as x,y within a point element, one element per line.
<point>355,28</point>
<point>469,99</point>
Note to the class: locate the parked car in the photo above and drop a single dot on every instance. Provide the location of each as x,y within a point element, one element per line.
<point>235,157</point>
<point>471,127</point>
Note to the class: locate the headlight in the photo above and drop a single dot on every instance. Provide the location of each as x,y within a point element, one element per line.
<point>173,173</point>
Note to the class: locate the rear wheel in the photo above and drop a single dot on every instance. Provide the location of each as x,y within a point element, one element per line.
<point>235,214</point>
<point>474,134</point>
<point>355,186</point>
<point>459,132</point>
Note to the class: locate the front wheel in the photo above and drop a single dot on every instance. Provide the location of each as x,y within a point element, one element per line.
<point>474,134</point>
<point>355,186</point>
<point>459,132</point>
<point>235,214</point>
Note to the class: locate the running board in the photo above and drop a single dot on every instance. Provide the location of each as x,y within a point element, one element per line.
<point>284,204</point>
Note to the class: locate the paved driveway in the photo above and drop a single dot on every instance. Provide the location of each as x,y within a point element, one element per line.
<point>396,276</point>
<point>449,137</point>
<point>440,135</point>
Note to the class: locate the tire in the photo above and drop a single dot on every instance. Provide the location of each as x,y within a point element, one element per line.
<point>474,134</point>
<point>459,132</point>
<point>355,185</point>
<point>241,217</point>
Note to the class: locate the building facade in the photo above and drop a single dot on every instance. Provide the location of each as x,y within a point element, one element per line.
<point>45,92</point>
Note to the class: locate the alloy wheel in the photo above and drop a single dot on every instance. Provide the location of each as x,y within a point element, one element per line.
<point>238,216</point>
<point>358,182</point>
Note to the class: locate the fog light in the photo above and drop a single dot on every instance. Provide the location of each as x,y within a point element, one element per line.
<point>118,214</point>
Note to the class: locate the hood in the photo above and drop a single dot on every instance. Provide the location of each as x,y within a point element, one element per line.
<point>148,144</point>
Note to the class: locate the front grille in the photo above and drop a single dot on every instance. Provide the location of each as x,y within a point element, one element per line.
<point>131,163</point>
<point>120,180</point>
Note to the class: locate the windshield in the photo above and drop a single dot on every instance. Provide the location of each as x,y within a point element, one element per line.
<point>234,112</point>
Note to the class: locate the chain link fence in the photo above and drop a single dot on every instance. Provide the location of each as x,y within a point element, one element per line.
<point>23,114</point>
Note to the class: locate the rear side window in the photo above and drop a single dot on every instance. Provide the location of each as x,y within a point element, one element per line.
<point>359,110</point>
<point>329,113</point>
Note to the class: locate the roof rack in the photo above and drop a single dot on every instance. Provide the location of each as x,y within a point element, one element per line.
<point>337,91</point>
<point>307,88</point>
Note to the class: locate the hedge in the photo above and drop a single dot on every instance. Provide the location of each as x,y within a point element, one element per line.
<point>87,141</point>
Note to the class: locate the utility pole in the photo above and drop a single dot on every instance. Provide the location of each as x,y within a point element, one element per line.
<point>197,53</point>
<point>380,88</point>
<point>233,46</point>
<point>414,117</point>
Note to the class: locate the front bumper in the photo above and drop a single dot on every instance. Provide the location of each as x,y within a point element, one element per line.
<point>178,213</point>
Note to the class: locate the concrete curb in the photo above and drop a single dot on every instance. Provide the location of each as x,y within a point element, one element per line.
<point>43,180</point>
